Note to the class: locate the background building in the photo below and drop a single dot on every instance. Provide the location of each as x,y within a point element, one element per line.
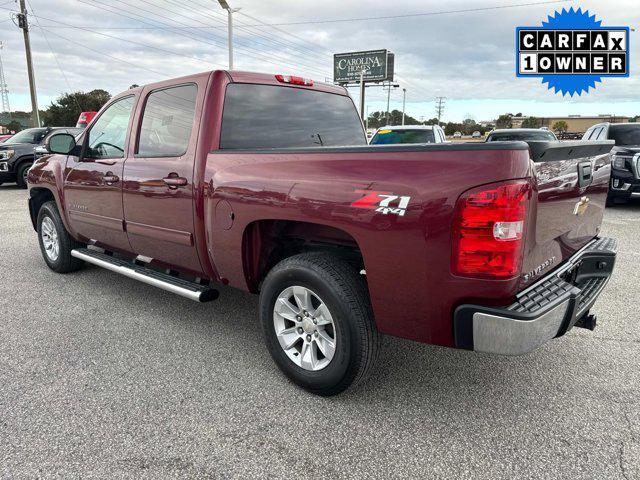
<point>580,124</point>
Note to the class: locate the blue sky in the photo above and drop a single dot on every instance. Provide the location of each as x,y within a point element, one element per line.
<point>468,57</point>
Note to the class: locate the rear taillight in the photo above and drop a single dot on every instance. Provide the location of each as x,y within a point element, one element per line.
<point>488,230</point>
<point>293,80</point>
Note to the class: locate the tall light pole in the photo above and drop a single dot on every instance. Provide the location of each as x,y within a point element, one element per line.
<point>404,98</point>
<point>230,12</point>
<point>24,25</point>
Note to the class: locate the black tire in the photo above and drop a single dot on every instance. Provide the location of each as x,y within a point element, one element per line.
<point>64,262</point>
<point>614,199</point>
<point>21,174</point>
<point>345,293</point>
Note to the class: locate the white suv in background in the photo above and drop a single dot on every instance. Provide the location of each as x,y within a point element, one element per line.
<point>390,135</point>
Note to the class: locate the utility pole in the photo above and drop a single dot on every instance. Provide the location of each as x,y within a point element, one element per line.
<point>389,85</point>
<point>23,23</point>
<point>440,101</point>
<point>362,72</point>
<point>4,91</point>
<point>404,98</point>
<point>366,125</point>
<point>230,12</point>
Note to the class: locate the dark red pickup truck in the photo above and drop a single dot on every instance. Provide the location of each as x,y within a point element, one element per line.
<point>265,183</point>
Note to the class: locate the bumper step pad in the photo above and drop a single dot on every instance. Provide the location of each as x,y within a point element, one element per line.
<point>547,309</point>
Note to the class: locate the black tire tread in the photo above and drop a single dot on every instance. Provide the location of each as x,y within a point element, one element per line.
<point>349,285</point>
<point>19,171</point>
<point>66,263</point>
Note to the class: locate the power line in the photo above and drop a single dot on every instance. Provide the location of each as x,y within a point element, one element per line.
<point>164,50</point>
<point>248,51</point>
<point>425,14</point>
<point>106,54</point>
<point>259,33</point>
<point>239,27</point>
<point>55,57</point>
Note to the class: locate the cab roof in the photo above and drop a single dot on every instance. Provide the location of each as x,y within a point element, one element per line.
<point>239,76</point>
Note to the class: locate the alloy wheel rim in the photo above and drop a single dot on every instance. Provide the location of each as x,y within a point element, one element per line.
<point>25,174</point>
<point>304,327</point>
<point>50,240</point>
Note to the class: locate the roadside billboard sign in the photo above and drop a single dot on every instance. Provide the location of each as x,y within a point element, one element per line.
<point>377,64</point>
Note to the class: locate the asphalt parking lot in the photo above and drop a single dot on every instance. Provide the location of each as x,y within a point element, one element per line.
<point>101,376</point>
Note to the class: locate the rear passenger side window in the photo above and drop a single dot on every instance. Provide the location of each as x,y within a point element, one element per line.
<point>167,121</point>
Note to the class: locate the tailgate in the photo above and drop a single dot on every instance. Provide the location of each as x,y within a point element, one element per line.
<point>572,180</point>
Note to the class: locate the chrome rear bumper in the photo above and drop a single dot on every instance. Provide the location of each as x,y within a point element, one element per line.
<point>543,311</point>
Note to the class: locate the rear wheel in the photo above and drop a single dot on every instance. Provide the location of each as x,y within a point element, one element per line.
<point>318,323</point>
<point>615,199</point>
<point>21,174</point>
<point>55,242</point>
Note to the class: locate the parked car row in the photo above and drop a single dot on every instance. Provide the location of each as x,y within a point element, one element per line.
<point>19,151</point>
<point>625,158</point>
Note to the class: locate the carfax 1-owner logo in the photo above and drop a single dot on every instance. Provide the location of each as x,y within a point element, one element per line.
<point>572,51</point>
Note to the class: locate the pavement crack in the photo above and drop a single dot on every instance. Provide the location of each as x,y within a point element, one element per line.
<point>613,339</point>
<point>623,469</point>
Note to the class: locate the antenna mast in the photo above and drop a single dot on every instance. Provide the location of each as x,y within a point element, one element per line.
<point>4,91</point>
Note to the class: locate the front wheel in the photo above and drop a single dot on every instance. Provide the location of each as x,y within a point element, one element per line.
<point>55,242</point>
<point>21,175</point>
<point>616,199</point>
<point>318,322</point>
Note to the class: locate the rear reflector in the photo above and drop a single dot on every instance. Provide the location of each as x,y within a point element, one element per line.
<point>293,80</point>
<point>488,230</point>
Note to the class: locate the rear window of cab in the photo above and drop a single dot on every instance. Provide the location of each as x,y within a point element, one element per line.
<point>265,116</point>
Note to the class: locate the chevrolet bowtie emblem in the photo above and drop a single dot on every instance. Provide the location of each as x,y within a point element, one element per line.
<point>581,206</point>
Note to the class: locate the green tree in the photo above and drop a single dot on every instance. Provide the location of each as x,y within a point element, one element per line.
<point>14,126</point>
<point>560,126</point>
<point>64,112</point>
<point>504,121</point>
<point>531,122</point>
<point>379,119</point>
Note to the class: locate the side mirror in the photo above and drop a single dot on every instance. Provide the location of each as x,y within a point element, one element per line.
<point>61,143</point>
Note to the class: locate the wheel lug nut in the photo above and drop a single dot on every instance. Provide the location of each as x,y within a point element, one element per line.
<point>299,318</point>
<point>308,338</point>
<point>300,331</point>
<point>315,334</point>
<point>315,322</point>
<point>306,314</point>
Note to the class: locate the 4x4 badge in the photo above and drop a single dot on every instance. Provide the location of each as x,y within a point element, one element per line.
<point>382,202</point>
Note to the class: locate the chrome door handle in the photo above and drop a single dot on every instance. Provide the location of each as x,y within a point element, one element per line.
<point>173,181</point>
<point>110,178</point>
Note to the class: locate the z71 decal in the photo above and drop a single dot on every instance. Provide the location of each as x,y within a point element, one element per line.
<point>382,202</point>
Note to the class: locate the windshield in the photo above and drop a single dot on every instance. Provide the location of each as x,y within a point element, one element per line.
<point>389,137</point>
<point>625,134</point>
<point>30,135</point>
<point>515,136</point>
